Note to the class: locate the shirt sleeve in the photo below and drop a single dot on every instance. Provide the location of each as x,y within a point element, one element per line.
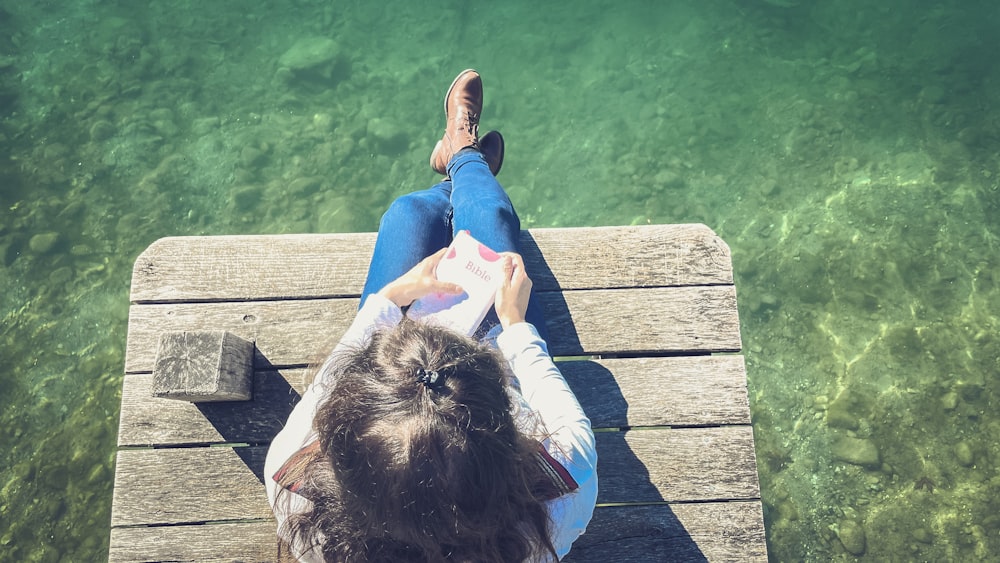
<point>377,312</point>
<point>570,437</point>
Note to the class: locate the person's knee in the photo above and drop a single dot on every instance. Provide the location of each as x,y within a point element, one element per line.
<point>505,214</point>
<point>407,208</point>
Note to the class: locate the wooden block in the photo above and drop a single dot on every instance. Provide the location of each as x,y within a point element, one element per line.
<point>203,366</point>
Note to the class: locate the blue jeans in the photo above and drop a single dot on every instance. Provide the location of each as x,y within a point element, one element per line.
<point>419,224</point>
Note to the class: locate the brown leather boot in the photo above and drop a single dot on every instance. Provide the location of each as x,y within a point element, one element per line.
<point>462,105</point>
<point>491,145</point>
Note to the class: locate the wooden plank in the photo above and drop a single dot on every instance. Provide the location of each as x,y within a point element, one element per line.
<point>677,465</point>
<point>638,256</point>
<point>678,391</point>
<point>731,531</point>
<point>184,485</point>
<point>297,266</point>
<point>149,421</point>
<point>701,319</point>
<point>240,541</point>
<point>672,391</point>
<point>636,321</point>
<point>189,485</point>
<point>286,333</point>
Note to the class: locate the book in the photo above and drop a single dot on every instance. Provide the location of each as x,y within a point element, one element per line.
<point>478,270</point>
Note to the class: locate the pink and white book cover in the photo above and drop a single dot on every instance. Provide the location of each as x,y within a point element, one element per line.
<point>479,270</point>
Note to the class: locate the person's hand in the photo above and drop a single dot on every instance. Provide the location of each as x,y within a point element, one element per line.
<point>513,294</point>
<point>418,282</point>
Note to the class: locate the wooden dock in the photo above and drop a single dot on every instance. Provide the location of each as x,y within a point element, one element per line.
<point>648,315</point>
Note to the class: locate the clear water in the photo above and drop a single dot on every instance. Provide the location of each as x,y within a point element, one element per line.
<point>846,150</point>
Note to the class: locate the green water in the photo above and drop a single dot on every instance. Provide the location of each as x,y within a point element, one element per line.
<point>846,150</point>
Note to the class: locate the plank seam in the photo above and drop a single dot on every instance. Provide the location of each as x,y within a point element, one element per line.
<point>193,523</point>
<point>720,500</point>
<point>353,295</point>
<point>263,444</point>
<point>613,429</point>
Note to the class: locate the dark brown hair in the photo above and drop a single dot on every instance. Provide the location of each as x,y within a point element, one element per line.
<point>411,471</point>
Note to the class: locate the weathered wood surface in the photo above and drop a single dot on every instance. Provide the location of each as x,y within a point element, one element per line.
<point>677,465</point>
<point>189,485</point>
<point>664,320</point>
<point>203,366</point>
<point>230,267</point>
<point>230,541</point>
<point>192,485</point>
<point>674,439</point>
<point>671,391</point>
<point>679,532</point>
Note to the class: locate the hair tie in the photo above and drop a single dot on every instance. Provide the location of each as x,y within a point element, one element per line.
<point>431,379</point>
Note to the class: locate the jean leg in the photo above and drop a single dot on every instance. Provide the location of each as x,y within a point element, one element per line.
<point>415,226</point>
<point>482,207</point>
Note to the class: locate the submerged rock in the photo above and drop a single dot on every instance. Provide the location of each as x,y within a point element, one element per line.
<point>858,451</point>
<point>313,59</point>
<point>101,130</point>
<point>251,156</point>
<point>310,52</point>
<point>922,535</point>
<point>205,125</point>
<point>247,198</point>
<point>301,187</point>
<point>964,454</point>
<point>852,536</point>
<point>43,243</point>
<point>61,276</point>
<point>388,138</point>
<point>847,410</point>
<point>837,417</point>
<point>949,400</point>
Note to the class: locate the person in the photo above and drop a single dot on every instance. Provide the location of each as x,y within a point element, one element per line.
<point>416,443</point>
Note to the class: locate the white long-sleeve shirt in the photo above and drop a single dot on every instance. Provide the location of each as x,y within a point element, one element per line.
<point>543,393</point>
